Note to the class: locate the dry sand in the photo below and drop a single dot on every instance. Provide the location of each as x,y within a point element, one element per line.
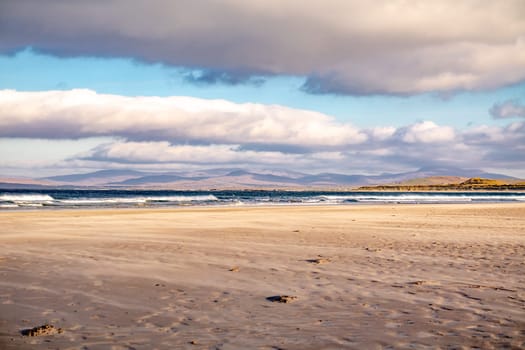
<point>364,277</point>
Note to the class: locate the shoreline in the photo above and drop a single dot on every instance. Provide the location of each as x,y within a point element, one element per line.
<point>363,276</point>
<point>56,200</point>
<point>222,207</point>
<point>254,204</point>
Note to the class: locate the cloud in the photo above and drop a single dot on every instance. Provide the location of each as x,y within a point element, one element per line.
<point>507,109</point>
<point>426,132</point>
<point>502,147</point>
<point>482,147</point>
<point>381,133</point>
<point>340,46</point>
<point>211,77</point>
<point>177,119</point>
<point>427,144</point>
<point>157,153</point>
<point>508,136</point>
<point>164,152</point>
<point>178,132</point>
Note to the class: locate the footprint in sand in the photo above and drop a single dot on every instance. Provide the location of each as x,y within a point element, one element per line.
<point>319,260</point>
<point>282,299</point>
<point>423,283</point>
<point>374,250</point>
<point>43,330</point>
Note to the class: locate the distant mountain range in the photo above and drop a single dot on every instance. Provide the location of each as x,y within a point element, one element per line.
<point>239,178</point>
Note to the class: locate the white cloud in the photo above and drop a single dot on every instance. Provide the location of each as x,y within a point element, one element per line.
<point>423,144</point>
<point>84,113</point>
<point>164,152</point>
<point>343,46</point>
<point>427,132</point>
<point>382,133</point>
<point>174,132</point>
<point>511,135</point>
<point>484,134</point>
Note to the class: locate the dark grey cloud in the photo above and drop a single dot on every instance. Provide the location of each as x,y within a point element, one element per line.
<point>317,84</point>
<point>212,77</point>
<point>340,46</point>
<point>508,109</point>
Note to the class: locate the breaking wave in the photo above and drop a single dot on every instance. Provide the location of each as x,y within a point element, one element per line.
<point>78,198</point>
<point>25,197</point>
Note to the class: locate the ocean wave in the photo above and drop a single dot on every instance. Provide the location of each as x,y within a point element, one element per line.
<point>442,198</point>
<point>417,198</point>
<point>30,204</point>
<point>414,198</point>
<point>25,197</point>
<point>146,199</point>
<point>81,201</point>
<point>196,198</point>
<point>102,198</point>
<point>8,205</point>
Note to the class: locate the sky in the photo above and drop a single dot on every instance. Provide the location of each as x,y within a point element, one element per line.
<point>347,86</point>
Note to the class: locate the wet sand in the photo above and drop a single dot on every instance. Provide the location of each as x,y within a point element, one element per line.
<point>350,277</point>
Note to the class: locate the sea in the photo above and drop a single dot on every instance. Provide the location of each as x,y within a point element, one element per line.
<point>16,199</point>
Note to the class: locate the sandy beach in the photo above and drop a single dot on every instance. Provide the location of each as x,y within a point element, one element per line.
<point>359,277</point>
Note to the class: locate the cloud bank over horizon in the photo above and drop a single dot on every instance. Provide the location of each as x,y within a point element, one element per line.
<point>178,131</point>
<point>345,47</point>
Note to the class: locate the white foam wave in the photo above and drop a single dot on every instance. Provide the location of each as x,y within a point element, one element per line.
<point>81,201</point>
<point>123,200</point>
<point>414,198</point>
<point>196,198</point>
<point>419,198</point>
<point>500,198</point>
<point>14,200</point>
<point>25,197</point>
<point>8,205</point>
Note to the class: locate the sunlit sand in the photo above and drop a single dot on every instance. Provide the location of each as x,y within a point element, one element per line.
<point>355,277</point>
